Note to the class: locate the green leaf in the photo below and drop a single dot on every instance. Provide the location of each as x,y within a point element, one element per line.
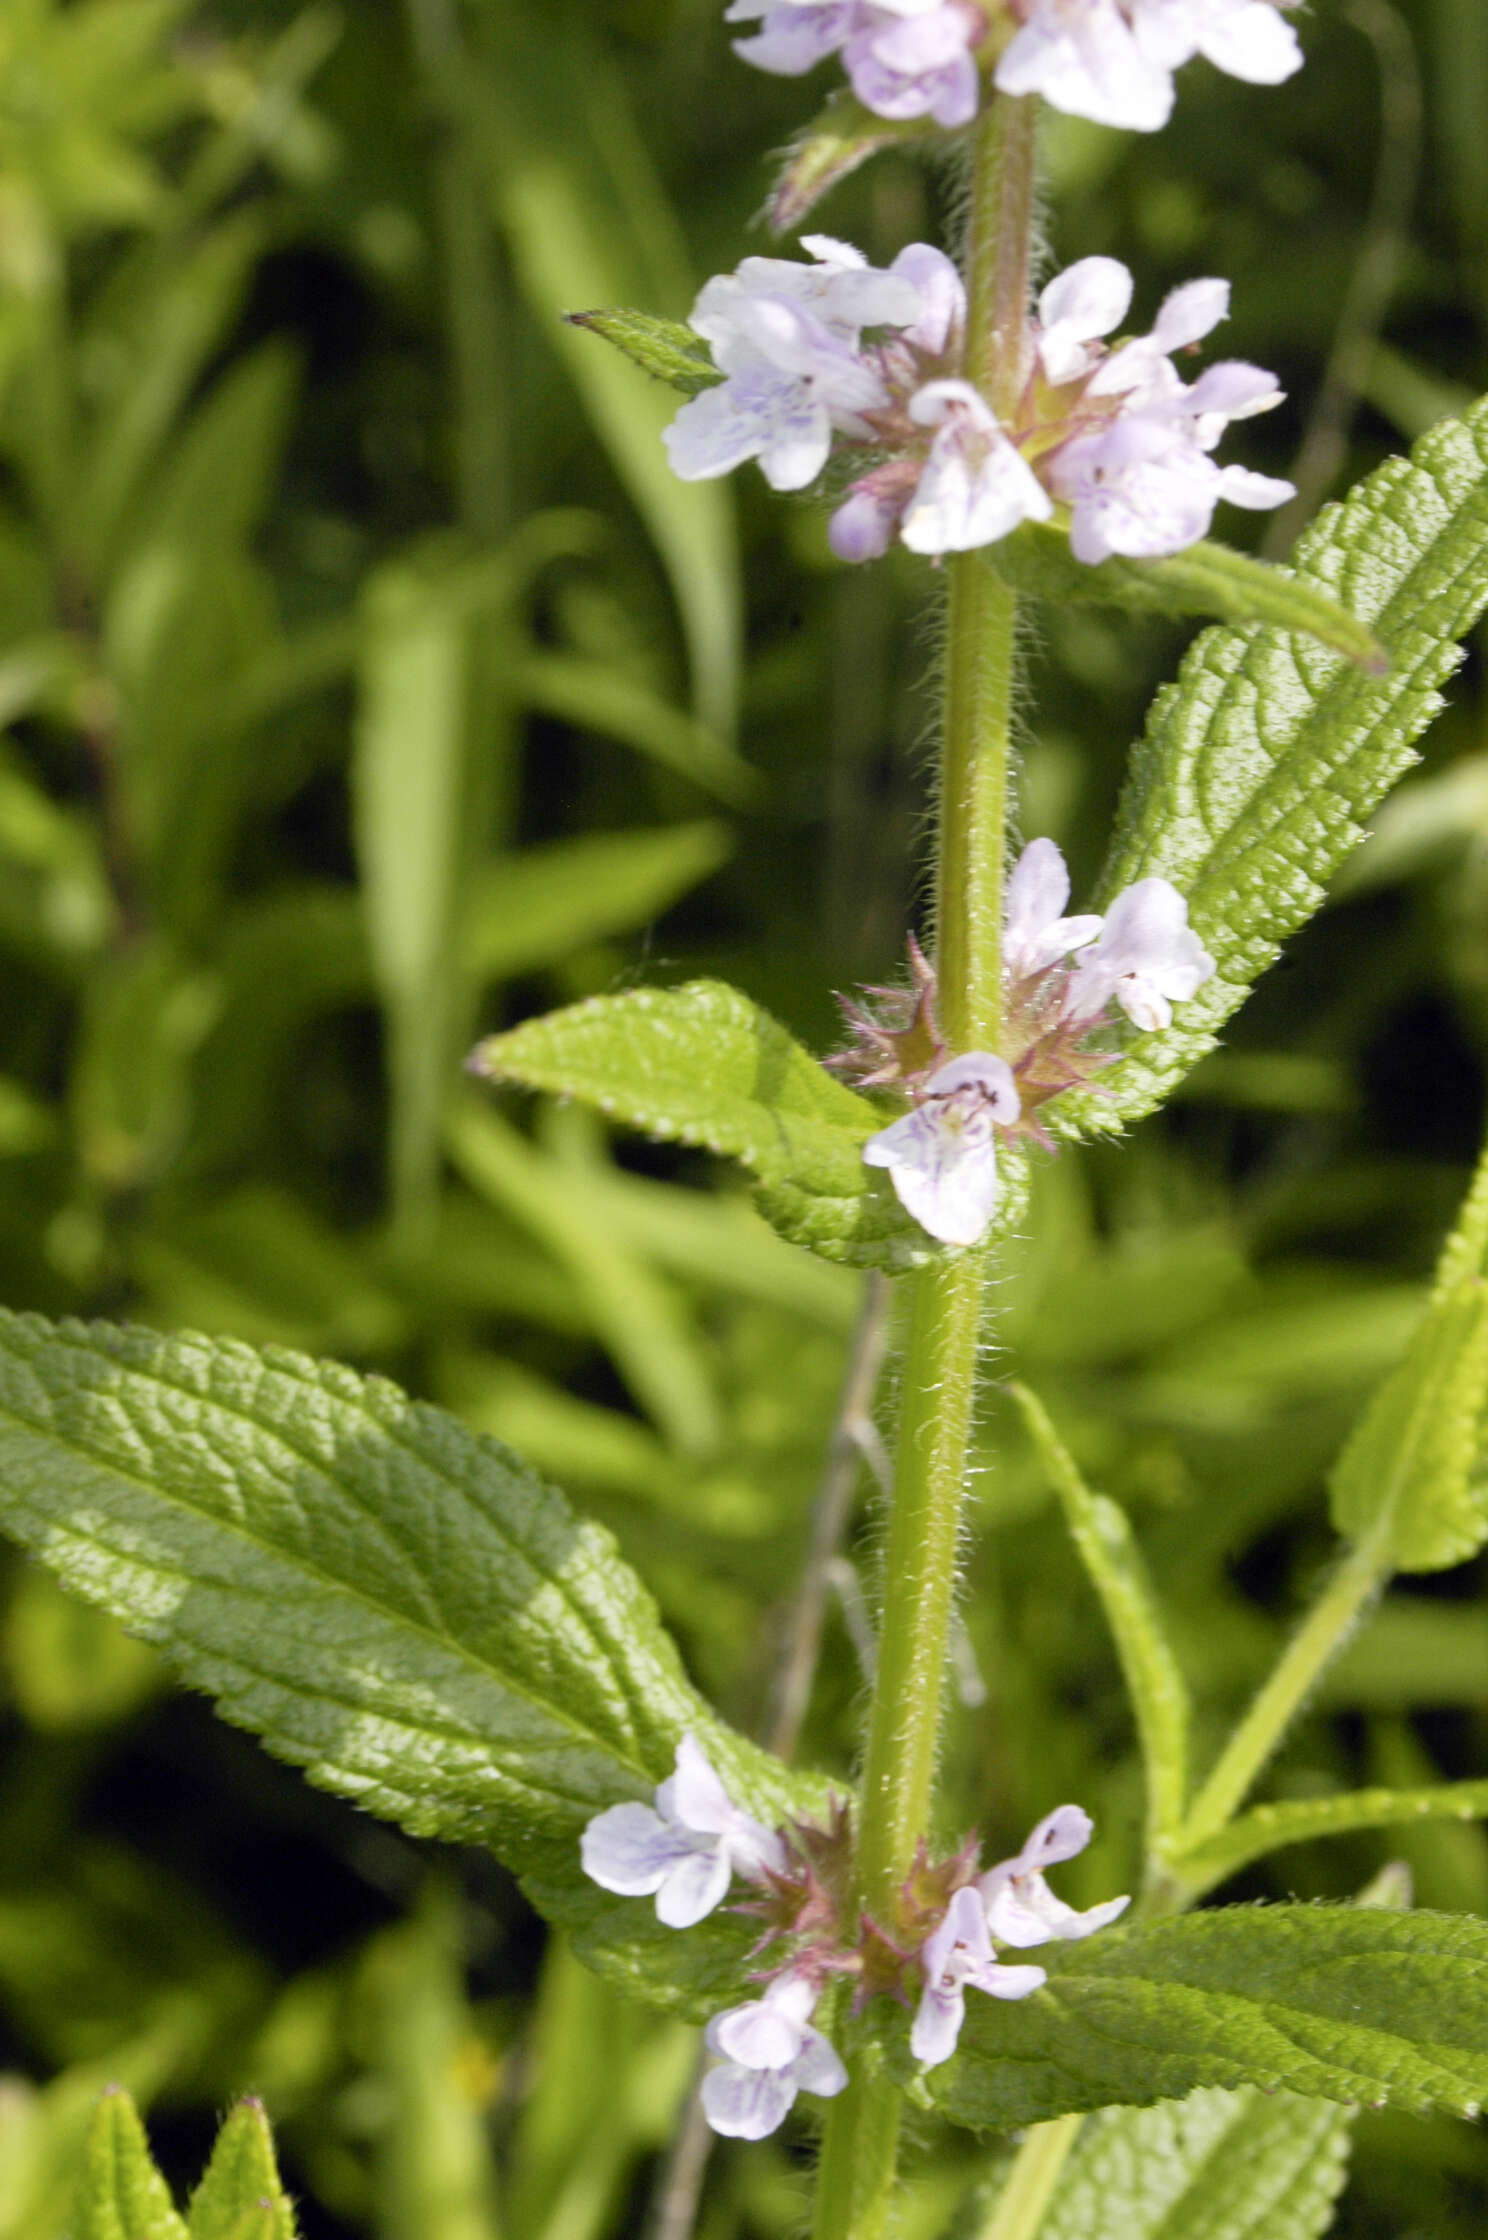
<point>1339,2003</point>
<point>1106,1546</point>
<point>701,1064</point>
<point>635,1313</point>
<point>436,2176</point>
<point>537,907</point>
<point>575,192</point>
<point>664,348</point>
<point>121,2195</point>
<point>601,696</point>
<point>1207,579</point>
<point>409,784</point>
<point>393,1603</point>
<point>240,2196</point>
<point>169,324</point>
<point>1405,1482</point>
<point>1270,1827</point>
<point>832,146</point>
<point>1216,2166</point>
<point>1261,763</point>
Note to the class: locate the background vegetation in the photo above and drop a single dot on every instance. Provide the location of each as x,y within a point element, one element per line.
<point>367,682</point>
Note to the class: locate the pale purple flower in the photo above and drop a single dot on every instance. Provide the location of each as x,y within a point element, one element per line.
<point>942,314</point>
<point>975,486</point>
<point>1142,484</point>
<point>1147,957</point>
<point>1083,56</point>
<point>1035,934</point>
<point>942,1157</point>
<point>1113,60</point>
<point>957,1953</point>
<point>1247,38</point>
<point>768,2053</point>
<point>685,1850</point>
<point>794,35</point>
<point>1139,370</point>
<point>786,334</point>
<point>1087,300</point>
<point>863,526</point>
<point>1021,1908</point>
<point>917,62</point>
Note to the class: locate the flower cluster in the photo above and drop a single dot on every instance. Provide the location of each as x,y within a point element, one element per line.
<point>1111,60</point>
<point>1112,435</point>
<point>1061,976</point>
<point>685,1850</point>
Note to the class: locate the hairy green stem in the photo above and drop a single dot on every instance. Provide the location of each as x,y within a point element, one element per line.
<point>856,2182</point>
<point>1317,1640</point>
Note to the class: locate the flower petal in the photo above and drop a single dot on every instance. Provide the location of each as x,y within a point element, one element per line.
<point>692,1888</point>
<point>698,1798</point>
<point>937,2024</point>
<point>747,2103</point>
<point>631,1850</point>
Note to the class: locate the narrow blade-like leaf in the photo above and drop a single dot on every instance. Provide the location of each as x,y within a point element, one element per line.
<point>1207,579</point>
<point>1405,1483</point>
<point>1105,1545</point>
<point>1270,1827</point>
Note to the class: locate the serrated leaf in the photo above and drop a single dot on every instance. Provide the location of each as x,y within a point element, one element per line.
<point>393,1603</point>
<point>701,1064</point>
<point>664,348</point>
<point>1405,1481</point>
<point>832,146</point>
<point>1207,579</point>
<point>1106,1546</point>
<point>1337,2003</point>
<point>1270,1827</point>
<point>121,2195</point>
<point>1261,763</point>
<point>1216,2166</point>
<point>240,2196</point>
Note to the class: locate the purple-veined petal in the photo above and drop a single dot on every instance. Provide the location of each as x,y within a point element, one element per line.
<point>692,1888</point>
<point>698,1798</point>
<point>630,1850</point>
<point>937,2024</point>
<point>793,40</point>
<point>1087,300</point>
<point>747,2103</point>
<point>944,1176</point>
<point>1035,936</point>
<point>819,2067</point>
<point>757,2036</point>
<point>941,293</point>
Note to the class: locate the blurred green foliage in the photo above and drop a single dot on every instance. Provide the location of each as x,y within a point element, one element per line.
<point>368,683</point>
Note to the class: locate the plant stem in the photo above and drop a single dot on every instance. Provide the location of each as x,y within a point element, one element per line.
<point>856,2181</point>
<point>1322,1633</point>
<point>982,611</point>
<point>1032,2179</point>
